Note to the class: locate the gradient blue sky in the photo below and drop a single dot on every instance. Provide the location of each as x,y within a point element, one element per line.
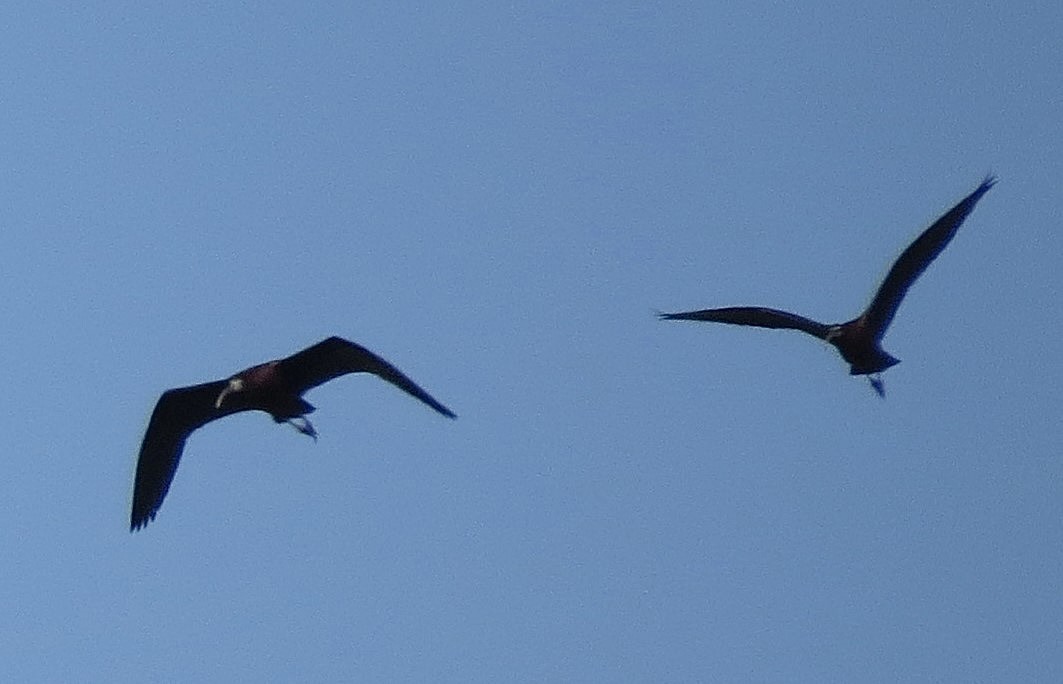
<point>497,197</point>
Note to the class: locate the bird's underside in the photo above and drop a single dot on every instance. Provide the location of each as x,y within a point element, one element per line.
<point>859,340</point>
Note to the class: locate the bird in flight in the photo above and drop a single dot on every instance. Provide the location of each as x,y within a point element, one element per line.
<point>275,387</point>
<point>859,340</point>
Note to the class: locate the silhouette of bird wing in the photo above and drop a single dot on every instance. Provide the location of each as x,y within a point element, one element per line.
<point>336,356</point>
<point>914,260</point>
<point>756,316</point>
<point>177,414</point>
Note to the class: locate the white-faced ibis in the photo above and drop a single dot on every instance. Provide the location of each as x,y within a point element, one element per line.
<point>275,387</point>
<point>859,340</point>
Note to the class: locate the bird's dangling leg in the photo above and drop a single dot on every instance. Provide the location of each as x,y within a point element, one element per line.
<point>876,384</point>
<point>303,425</point>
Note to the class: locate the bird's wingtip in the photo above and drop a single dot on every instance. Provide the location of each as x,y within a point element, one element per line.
<point>137,522</point>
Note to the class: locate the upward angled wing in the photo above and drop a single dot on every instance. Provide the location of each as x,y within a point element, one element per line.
<point>914,260</point>
<point>177,414</point>
<point>755,316</point>
<point>336,356</point>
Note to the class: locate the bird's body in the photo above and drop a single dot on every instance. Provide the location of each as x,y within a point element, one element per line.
<point>859,340</point>
<point>275,387</point>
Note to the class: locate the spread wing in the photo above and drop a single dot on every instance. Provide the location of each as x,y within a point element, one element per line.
<point>177,414</point>
<point>336,356</point>
<point>753,315</point>
<point>914,260</point>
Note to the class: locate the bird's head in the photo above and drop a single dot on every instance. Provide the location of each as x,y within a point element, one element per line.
<point>235,385</point>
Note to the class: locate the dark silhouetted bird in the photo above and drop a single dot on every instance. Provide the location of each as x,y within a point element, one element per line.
<point>275,387</point>
<point>859,340</point>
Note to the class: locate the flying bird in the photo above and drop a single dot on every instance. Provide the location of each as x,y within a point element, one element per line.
<point>859,340</point>
<point>275,387</point>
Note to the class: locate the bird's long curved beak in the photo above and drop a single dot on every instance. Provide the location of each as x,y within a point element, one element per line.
<point>229,389</point>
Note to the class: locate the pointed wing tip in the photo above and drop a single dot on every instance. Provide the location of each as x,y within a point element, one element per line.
<point>140,519</point>
<point>989,181</point>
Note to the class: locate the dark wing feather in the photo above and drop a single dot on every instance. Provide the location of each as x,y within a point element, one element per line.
<point>336,356</point>
<point>914,260</point>
<point>177,414</point>
<point>756,316</point>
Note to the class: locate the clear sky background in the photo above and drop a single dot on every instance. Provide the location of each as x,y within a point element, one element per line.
<point>497,198</point>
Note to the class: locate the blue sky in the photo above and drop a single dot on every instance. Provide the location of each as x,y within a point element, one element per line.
<point>497,198</point>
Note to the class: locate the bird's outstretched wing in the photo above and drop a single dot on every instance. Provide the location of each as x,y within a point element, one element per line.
<point>336,356</point>
<point>914,260</point>
<point>756,316</point>
<point>177,414</point>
